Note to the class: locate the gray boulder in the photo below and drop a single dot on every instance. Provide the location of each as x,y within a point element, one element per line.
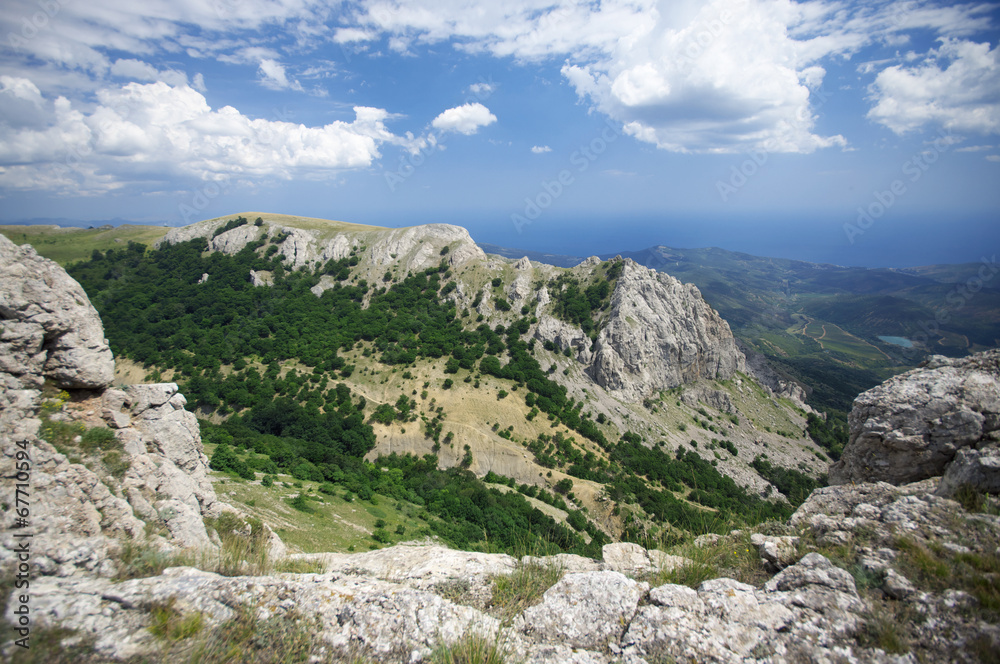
<point>910,427</point>
<point>585,610</point>
<point>978,470</point>
<point>47,319</point>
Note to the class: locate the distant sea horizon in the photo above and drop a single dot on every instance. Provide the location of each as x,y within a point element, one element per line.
<point>889,244</point>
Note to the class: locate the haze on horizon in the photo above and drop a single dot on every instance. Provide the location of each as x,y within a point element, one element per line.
<point>859,133</point>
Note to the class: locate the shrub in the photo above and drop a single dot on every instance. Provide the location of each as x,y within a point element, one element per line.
<point>98,437</point>
<point>301,503</point>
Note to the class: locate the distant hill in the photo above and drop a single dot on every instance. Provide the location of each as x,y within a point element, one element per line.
<point>559,260</point>
<point>67,244</point>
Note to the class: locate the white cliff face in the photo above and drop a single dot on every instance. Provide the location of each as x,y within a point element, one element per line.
<point>912,426</point>
<point>47,325</point>
<point>80,514</point>
<point>412,249</point>
<point>660,334</point>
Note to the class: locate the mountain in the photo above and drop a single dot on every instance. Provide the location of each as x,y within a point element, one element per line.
<point>120,544</point>
<point>840,330</point>
<point>571,385</point>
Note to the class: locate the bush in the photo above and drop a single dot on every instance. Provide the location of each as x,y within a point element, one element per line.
<point>100,437</point>
<point>301,503</point>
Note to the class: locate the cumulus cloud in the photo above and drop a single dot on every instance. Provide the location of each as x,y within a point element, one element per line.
<point>482,89</point>
<point>955,86</point>
<point>465,119</point>
<point>540,149</point>
<point>158,131</point>
<point>717,76</point>
<point>726,77</point>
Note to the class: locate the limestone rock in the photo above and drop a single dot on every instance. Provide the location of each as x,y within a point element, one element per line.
<point>777,552</point>
<point>974,469</point>
<point>232,241</point>
<point>911,427</point>
<point>36,292</point>
<point>563,335</point>
<point>660,334</point>
<point>585,610</point>
<point>416,563</point>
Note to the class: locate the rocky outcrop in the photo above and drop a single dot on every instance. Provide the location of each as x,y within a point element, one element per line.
<point>660,333</point>
<point>397,604</point>
<point>778,384</point>
<point>563,335</point>
<point>413,248</point>
<point>48,328</point>
<point>148,472</point>
<point>912,426</point>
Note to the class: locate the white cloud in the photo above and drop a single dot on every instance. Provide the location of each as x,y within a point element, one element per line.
<point>975,148</point>
<point>717,76</point>
<point>483,89</point>
<point>464,119</point>
<point>993,157</point>
<point>137,70</point>
<point>955,86</point>
<point>353,35</point>
<point>156,131</point>
<point>540,149</point>
<point>273,76</point>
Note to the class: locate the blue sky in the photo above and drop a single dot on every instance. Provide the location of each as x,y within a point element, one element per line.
<point>861,133</point>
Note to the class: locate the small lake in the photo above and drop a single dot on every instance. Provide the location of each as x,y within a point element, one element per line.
<point>898,341</point>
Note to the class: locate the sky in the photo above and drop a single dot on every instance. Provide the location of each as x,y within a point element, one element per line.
<point>856,133</point>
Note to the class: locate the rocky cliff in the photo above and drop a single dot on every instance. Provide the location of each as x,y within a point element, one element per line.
<point>916,424</point>
<point>119,464</point>
<point>660,333</point>
<point>309,242</point>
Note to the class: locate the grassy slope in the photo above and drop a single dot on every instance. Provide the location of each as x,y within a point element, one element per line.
<point>66,245</point>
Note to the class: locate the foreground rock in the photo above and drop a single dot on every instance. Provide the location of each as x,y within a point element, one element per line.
<point>48,328</point>
<point>910,427</point>
<point>147,473</point>
<point>397,605</point>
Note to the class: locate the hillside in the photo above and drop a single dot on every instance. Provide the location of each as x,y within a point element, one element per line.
<point>66,244</point>
<point>123,546</point>
<point>612,392</point>
<point>840,330</point>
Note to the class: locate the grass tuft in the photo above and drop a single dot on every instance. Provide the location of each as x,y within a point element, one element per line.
<point>473,648</point>
<point>524,587</point>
